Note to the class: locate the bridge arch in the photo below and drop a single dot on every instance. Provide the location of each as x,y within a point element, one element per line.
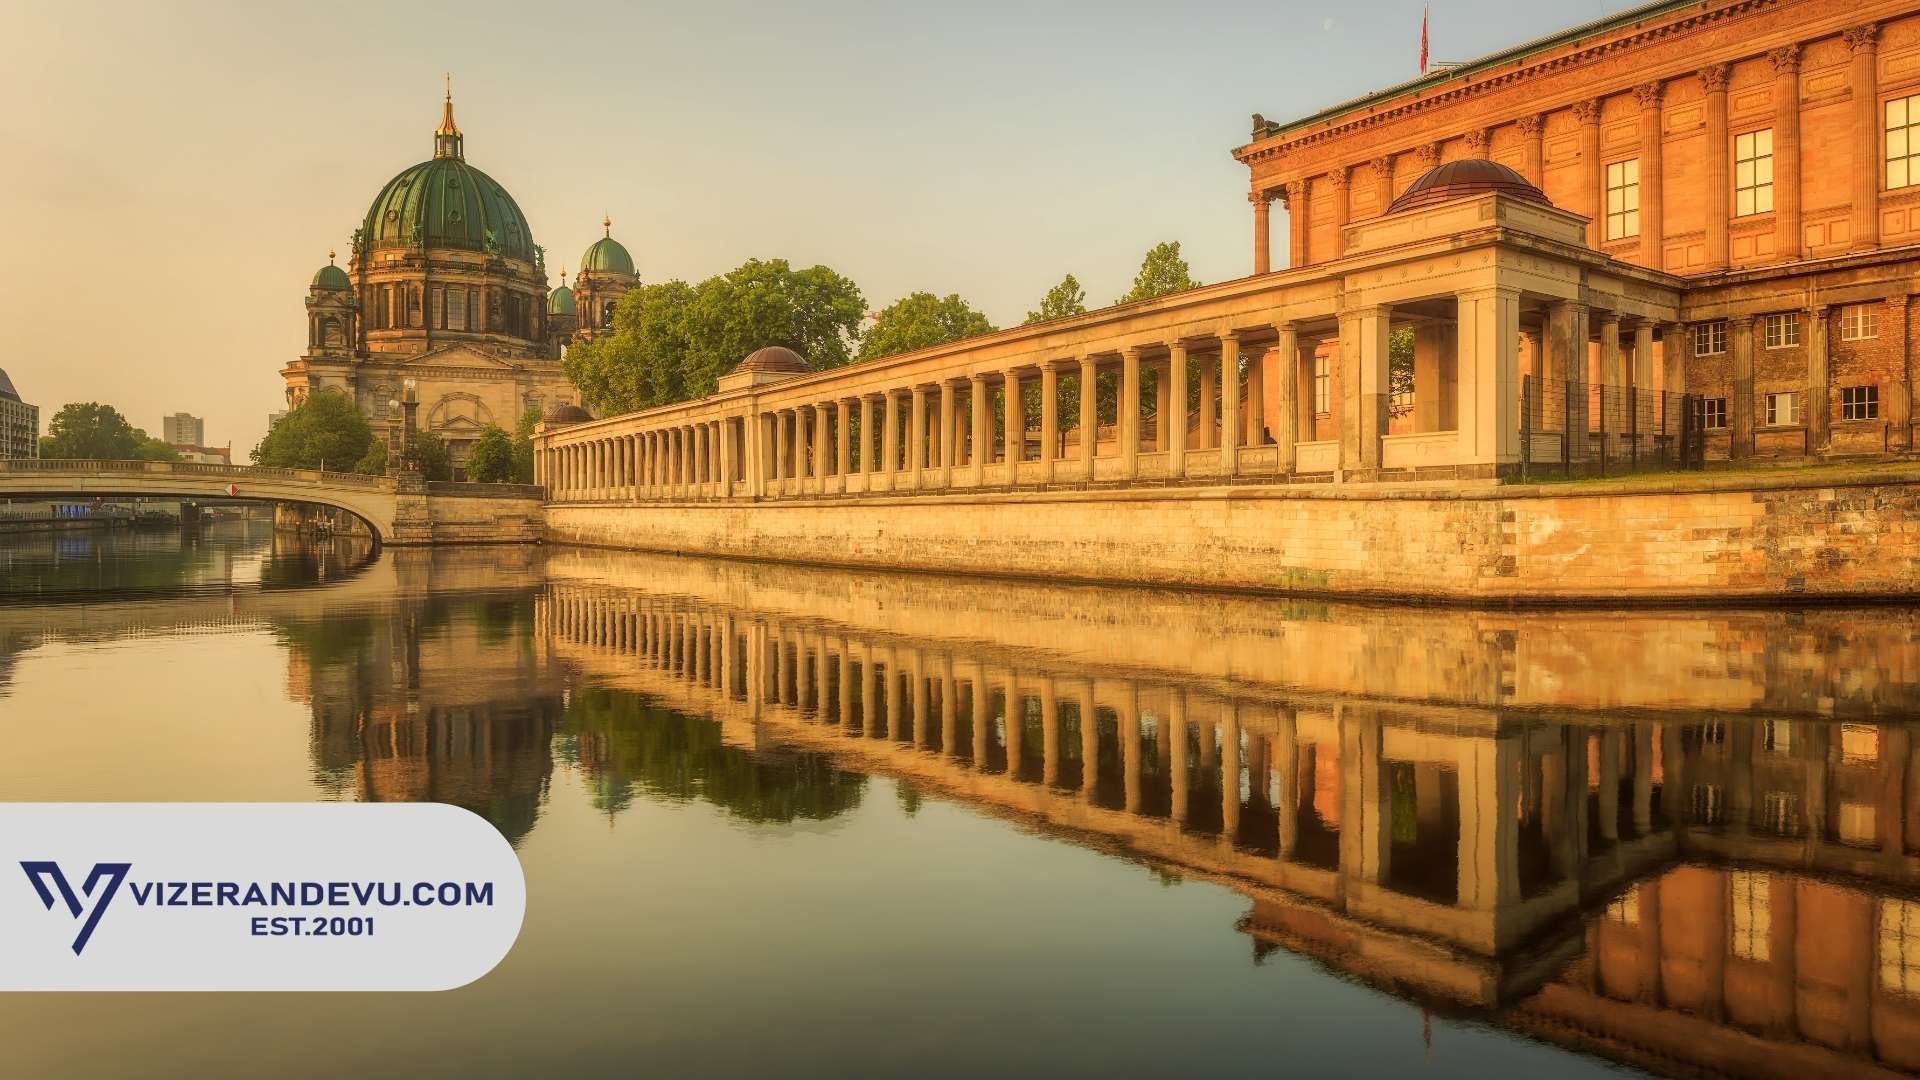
<point>371,499</point>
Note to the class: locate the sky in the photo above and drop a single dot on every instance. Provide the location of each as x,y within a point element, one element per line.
<point>171,175</point>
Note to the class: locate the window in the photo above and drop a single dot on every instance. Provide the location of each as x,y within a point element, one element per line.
<point>1859,403</point>
<point>1710,412</point>
<point>606,314</point>
<point>1857,322</point>
<point>1903,142</point>
<point>456,309</point>
<point>439,309</point>
<point>1900,946</point>
<point>1780,813</point>
<point>1752,914</point>
<point>1776,736</point>
<point>1859,744</point>
<point>1322,385</point>
<point>1753,173</point>
<point>1783,410</point>
<point>1859,825</point>
<point>1623,199</point>
<point>1710,339</point>
<point>1783,331</point>
<point>1705,805</point>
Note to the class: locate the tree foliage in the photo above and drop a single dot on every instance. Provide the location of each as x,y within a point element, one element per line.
<point>672,341</point>
<point>91,431</point>
<point>1064,299</point>
<point>326,429</point>
<point>1162,271</point>
<point>919,321</point>
<point>491,459</point>
<point>1400,367</point>
<point>431,456</point>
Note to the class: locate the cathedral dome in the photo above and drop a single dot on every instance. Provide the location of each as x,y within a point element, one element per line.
<point>332,279</point>
<point>775,358</point>
<point>1464,179</point>
<point>606,255</point>
<point>560,301</point>
<point>447,203</point>
<point>565,412</point>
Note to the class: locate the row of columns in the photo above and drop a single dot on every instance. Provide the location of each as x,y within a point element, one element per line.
<point>1865,133</point>
<point>685,460</point>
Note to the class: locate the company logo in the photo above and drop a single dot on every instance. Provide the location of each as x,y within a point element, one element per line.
<point>40,873</point>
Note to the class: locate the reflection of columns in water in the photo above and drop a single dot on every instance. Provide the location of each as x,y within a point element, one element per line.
<point>846,683</point>
<point>823,669</point>
<point>1608,802</point>
<point>1489,824</point>
<point>1129,728</point>
<point>978,692</point>
<point>922,714</point>
<point>1176,738</point>
<point>1643,778</point>
<point>803,673</point>
<point>870,694</point>
<point>1013,723</point>
<point>1049,732</point>
<point>897,719</point>
<point>949,698</point>
<point>1286,759</point>
<point>1089,743</point>
<point>1229,773</point>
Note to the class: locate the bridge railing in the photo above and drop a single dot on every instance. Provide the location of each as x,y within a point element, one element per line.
<point>195,470</point>
<point>490,491</point>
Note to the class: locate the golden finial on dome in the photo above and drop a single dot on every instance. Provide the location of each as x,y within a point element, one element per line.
<point>330,256</point>
<point>563,277</point>
<point>447,126</point>
<point>606,222</point>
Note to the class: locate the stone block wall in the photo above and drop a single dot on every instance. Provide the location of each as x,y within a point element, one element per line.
<point>1686,539</point>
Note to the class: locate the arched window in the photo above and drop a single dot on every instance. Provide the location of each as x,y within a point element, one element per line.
<point>606,314</point>
<point>330,332</point>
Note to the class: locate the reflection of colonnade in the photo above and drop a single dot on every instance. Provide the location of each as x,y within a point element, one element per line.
<point>1445,851</point>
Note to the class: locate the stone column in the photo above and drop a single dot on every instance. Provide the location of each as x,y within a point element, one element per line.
<point>1674,347</point>
<point>868,458</point>
<point>1740,331</point>
<point>802,444</point>
<point>917,437</point>
<point>842,442</point>
<point>978,415</point>
<point>1256,434</point>
<point>822,447</point>
<point>1383,180</point>
<point>1013,416</point>
<point>1532,152</point>
<point>1364,380</point>
<point>1863,82</point>
<point>781,461</point>
<point>949,438</point>
<point>1175,420</point>
<point>1130,411</point>
<point>701,468</point>
<point>1209,434</point>
<point>1652,201</point>
<point>1229,404</point>
<point>1489,376</point>
<point>1340,179</point>
<point>1719,191</point>
<point>1819,368</point>
<point>1610,351</point>
<point>1592,188</point>
<point>1298,222</point>
<point>1262,232</point>
<point>1049,419</point>
<point>1089,412</point>
<point>1161,379</point>
<point>1643,355</point>
<point>1789,236</point>
<point>1286,417</point>
<point>890,440</point>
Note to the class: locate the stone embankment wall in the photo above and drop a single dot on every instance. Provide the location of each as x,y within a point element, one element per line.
<point>474,514</point>
<point>1691,538</point>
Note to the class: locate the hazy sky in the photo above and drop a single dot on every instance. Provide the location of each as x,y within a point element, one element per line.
<point>172,174</point>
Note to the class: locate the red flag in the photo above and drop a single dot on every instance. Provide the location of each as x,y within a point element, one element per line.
<point>1423,39</point>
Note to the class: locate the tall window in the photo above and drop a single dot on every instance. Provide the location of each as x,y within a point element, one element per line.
<point>456,309</point>
<point>1753,173</point>
<point>1623,199</point>
<point>1783,409</point>
<point>1710,338</point>
<point>1859,403</point>
<point>1780,813</point>
<point>1783,331</point>
<point>1752,915</point>
<point>1710,412</point>
<point>1903,142</point>
<point>1900,946</point>
<point>1322,385</point>
<point>1857,322</point>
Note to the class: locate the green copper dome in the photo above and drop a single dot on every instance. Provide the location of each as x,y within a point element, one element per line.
<point>607,254</point>
<point>560,301</point>
<point>331,278</point>
<point>447,203</point>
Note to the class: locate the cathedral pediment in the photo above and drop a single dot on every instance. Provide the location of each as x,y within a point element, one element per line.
<point>458,355</point>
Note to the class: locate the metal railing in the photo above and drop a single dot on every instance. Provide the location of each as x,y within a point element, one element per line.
<point>1588,429</point>
<point>191,469</point>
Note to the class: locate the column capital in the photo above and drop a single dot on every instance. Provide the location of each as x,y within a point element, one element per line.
<point>1134,351</point>
<point>1339,176</point>
<point>1588,111</point>
<point>1785,59</point>
<point>1714,78</point>
<point>1382,168</point>
<point>1483,292</point>
<point>1532,125</point>
<point>1427,154</point>
<point>1477,142</point>
<point>1261,198</point>
<point>1296,191</point>
<point>1861,38</point>
<point>1818,309</point>
<point>1647,96</point>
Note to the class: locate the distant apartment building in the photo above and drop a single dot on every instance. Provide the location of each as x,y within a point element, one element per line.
<point>205,455</point>
<point>19,423</point>
<point>183,429</point>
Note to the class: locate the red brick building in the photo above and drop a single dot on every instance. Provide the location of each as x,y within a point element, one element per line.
<point>1765,152</point>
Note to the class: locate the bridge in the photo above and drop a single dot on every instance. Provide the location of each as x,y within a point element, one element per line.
<point>395,510</point>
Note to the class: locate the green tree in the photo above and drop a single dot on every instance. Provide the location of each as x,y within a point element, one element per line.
<point>1162,271</point>
<point>1064,299</point>
<point>326,429</point>
<point>92,431</point>
<point>431,456</point>
<point>672,341</point>
<point>374,461</point>
<point>919,321</point>
<point>491,459</point>
<point>1400,367</point>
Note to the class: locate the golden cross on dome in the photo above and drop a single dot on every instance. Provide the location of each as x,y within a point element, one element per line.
<point>606,222</point>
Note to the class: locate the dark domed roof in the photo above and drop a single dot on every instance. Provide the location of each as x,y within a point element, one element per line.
<point>331,278</point>
<point>775,358</point>
<point>560,301</point>
<point>1463,179</point>
<point>565,412</point>
<point>606,255</point>
<point>6,387</point>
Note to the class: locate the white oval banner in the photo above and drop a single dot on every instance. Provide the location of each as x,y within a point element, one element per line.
<point>253,896</point>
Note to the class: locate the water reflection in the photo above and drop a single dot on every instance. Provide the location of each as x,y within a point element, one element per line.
<point>81,565</point>
<point>1685,842</point>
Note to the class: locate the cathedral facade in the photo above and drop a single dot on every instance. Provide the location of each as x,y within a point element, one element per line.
<point>445,296</point>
